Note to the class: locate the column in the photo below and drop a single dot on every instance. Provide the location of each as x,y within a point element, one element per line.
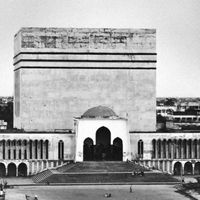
<point>16,170</point>
<point>44,150</point>
<point>6,149</point>
<point>17,149</point>
<point>1,149</point>
<point>187,147</point>
<point>172,149</point>
<point>28,164</point>
<point>193,168</point>
<point>6,170</point>
<point>161,148</point>
<point>156,149</point>
<point>28,149</point>
<point>39,150</point>
<point>192,149</point>
<point>175,149</point>
<point>182,149</point>
<point>167,150</point>
<point>22,149</point>
<point>198,149</point>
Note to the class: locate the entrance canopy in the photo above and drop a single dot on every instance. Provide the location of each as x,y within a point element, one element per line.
<point>100,135</point>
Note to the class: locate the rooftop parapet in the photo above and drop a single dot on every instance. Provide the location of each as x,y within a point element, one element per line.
<point>85,40</point>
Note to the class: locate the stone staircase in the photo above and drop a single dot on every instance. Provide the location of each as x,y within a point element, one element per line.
<point>87,171</point>
<point>40,177</point>
<point>102,167</point>
<point>99,173</point>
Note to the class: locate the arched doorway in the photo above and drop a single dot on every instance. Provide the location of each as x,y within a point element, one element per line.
<point>117,149</point>
<point>88,150</point>
<point>22,169</point>
<point>197,168</point>
<point>188,168</point>
<point>103,147</point>
<point>11,169</point>
<point>2,170</point>
<point>177,168</point>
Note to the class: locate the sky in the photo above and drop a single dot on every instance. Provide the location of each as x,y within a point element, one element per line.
<point>177,23</point>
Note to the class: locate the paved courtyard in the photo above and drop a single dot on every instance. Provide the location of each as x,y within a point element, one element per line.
<point>119,192</point>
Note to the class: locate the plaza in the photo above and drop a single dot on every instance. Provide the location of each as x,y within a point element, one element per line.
<point>118,192</point>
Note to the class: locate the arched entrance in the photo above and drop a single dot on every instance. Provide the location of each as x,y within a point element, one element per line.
<point>22,169</point>
<point>88,150</point>
<point>2,170</point>
<point>117,149</point>
<point>103,147</point>
<point>177,168</point>
<point>11,169</point>
<point>197,168</point>
<point>188,168</point>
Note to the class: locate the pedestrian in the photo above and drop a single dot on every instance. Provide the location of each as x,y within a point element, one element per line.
<point>131,190</point>
<point>36,197</point>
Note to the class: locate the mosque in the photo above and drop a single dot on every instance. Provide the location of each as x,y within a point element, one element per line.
<point>89,95</point>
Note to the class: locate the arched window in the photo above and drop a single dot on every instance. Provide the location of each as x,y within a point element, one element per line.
<point>4,149</point>
<point>30,148</point>
<point>20,154</point>
<point>25,151</point>
<point>61,150</point>
<point>9,146</point>
<point>36,149</point>
<point>41,149</point>
<point>14,149</point>
<point>140,149</point>
<point>154,148</point>
<point>47,149</point>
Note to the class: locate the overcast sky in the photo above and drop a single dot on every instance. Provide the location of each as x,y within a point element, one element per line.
<point>177,23</point>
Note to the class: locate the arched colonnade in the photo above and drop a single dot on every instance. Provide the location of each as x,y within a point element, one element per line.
<point>12,169</point>
<point>187,168</point>
<point>176,149</point>
<point>24,149</point>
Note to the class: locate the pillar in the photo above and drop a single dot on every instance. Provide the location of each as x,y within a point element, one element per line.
<point>187,152</point>
<point>198,149</point>
<point>6,170</point>
<point>182,149</point>
<point>161,148</point>
<point>11,150</point>
<point>16,170</point>
<point>156,149</point>
<point>39,150</point>
<point>192,149</point>
<point>193,168</point>
<point>172,150</point>
<point>167,150</point>
<point>28,150</point>
<point>6,150</point>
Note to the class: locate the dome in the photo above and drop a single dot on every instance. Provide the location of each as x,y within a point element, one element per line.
<point>99,112</point>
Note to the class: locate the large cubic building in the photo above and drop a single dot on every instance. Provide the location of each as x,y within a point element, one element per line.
<point>89,95</point>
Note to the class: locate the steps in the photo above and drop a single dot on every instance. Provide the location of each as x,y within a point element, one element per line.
<point>40,177</point>
<point>99,173</point>
<point>107,166</point>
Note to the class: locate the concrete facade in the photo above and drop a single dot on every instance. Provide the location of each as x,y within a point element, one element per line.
<point>37,151</point>
<point>88,127</point>
<point>60,73</point>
